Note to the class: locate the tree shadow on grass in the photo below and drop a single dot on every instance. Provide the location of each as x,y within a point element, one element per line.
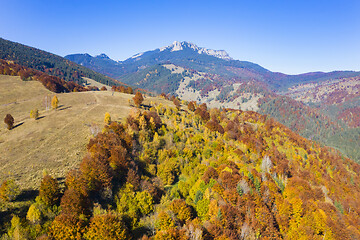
<point>17,125</point>
<point>60,109</point>
<point>146,107</point>
<point>7,215</point>
<point>20,208</point>
<point>141,231</point>
<point>27,194</point>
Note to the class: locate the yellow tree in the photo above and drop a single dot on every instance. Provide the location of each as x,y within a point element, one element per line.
<point>34,213</point>
<point>34,113</point>
<point>107,118</point>
<point>55,102</point>
<point>106,226</point>
<point>9,190</point>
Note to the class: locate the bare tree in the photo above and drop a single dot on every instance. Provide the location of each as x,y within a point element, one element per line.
<point>47,102</point>
<point>266,164</point>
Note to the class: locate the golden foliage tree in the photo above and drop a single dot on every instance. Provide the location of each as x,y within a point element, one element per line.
<point>181,209</point>
<point>107,118</point>
<point>67,226</point>
<point>34,113</point>
<point>9,190</point>
<point>96,173</point>
<point>34,213</point>
<point>165,221</point>
<point>55,102</point>
<point>106,226</point>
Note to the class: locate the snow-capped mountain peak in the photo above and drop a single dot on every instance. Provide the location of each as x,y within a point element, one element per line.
<point>178,46</point>
<point>102,55</point>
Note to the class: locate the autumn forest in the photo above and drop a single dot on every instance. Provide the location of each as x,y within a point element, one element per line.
<point>189,172</point>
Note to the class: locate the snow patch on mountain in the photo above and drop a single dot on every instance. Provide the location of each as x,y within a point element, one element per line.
<point>102,55</point>
<point>178,46</point>
<point>137,55</point>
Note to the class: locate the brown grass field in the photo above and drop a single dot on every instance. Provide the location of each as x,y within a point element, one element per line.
<point>56,142</point>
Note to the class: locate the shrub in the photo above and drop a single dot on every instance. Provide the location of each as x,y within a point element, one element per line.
<point>9,120</point>
<point>103,88</point>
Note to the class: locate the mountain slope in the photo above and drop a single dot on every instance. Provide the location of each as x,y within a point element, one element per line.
<point>340,98</point>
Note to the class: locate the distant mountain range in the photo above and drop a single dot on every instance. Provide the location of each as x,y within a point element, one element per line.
<point>191,56</point>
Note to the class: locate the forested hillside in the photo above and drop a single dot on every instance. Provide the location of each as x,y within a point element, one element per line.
<point>52,83</point>
<point>49,63</point>
<point>338,98</point>
<point>192,173</point>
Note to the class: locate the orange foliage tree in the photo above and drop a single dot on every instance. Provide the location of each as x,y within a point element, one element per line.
<point>49,191</point>
<point>9,121</point>
<point>138,99</point>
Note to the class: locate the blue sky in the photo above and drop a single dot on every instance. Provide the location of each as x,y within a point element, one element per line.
<point>287,36</point>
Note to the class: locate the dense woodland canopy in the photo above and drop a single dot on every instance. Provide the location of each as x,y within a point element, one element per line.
<point>170,173</point>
